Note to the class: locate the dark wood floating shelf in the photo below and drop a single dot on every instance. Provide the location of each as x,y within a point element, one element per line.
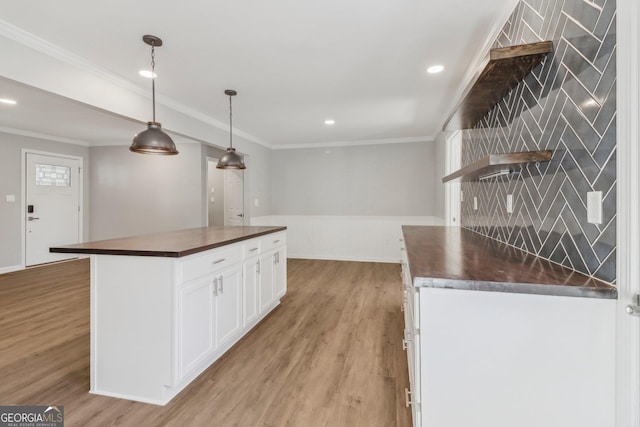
<point>506,66</point>
<point>497,163</point>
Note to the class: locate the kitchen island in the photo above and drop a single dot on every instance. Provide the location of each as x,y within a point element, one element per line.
<point>499,337</point>
<point>165,306</point>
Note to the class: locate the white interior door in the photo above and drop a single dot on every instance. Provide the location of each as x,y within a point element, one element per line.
<point>234,197</point>
<point>452,189</point>
<point>52,213</point>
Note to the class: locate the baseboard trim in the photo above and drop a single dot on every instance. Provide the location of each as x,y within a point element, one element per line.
<point>11,268</point>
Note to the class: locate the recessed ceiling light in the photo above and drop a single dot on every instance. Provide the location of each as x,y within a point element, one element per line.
<point>148,74</point>
<point>434,69</point>
<point>329,122</point>
<point>8,101</point>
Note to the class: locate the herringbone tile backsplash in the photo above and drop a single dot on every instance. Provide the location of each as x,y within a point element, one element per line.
<point>568,105</point>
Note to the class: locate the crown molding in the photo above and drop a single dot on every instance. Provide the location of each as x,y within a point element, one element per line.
<point>58,53</point>
<point>44,136</point>
<point>355,143</point>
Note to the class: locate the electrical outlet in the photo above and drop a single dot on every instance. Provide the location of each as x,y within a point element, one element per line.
<point>594,207</point>
<point>256,203</point>
<point>11,198</point>
<point>509,203</point>
<point>475,203</point>
<point>461,196</point>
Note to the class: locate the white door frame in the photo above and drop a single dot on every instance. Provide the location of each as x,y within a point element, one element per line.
<point>628,213</point>
<point>452,189</point>
<point>23,190</point>
<point>207,195</point>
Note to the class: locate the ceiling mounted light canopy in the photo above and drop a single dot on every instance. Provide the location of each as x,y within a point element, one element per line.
<point>231,159</point>
<point>153,140</point>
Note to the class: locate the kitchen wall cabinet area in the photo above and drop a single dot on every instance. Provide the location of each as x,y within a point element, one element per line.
<point>159,321</point>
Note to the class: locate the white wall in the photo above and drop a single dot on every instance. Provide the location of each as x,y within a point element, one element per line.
<point>11,231</point>
<point>371,180</point>
<point>133,194</point>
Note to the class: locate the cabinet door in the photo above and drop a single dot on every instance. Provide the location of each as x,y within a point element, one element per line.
<point>267,271</point>
<point>195,323</point>
<point>228,307</point>
<point>280,273</point>
<point>251,291</point>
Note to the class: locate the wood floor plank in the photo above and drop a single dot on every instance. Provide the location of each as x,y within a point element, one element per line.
<point>329,355</point>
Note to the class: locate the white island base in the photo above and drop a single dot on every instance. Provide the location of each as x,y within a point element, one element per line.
<point>157,322</point>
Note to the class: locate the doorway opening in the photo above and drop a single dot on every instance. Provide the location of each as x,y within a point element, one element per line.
<point>224,196</point>
<point>52,212</point>
<point>452,192</point>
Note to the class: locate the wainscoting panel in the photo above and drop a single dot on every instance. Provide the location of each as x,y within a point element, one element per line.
<point>345,238</point>
<point>568,105</point>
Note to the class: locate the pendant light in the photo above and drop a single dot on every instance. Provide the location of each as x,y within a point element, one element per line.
<point>153,140</point>
<point>231,159</point>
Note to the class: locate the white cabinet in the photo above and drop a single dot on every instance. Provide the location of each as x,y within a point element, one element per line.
<point>251,290</point>
<point>280,273</point>
<point>158,322</point>
<point>196,335</point>
<point>481,358</point>
<point>228,305</point>
<point>273,271</point>
<point>267,274</point>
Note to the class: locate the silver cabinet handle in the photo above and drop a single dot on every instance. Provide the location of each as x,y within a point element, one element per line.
<point>407,400</point>
<point>276,241</point>
<point>253,249</point>
<point>32,218</point>
<point>406,340</point>
<point>215,287</point>
<point>218,261</point>
<point>221,284</point>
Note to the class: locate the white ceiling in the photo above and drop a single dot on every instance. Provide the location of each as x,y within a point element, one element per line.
<point>294,64</point>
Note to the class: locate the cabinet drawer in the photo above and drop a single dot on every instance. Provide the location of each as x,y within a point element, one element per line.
<point>209,262</point>
<point>273,241</point>
<point>251,248</point>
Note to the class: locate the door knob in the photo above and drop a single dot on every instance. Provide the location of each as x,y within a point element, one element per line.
<point>634,309</point>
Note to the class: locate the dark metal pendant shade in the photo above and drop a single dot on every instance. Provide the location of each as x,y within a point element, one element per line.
<point>153,141</point>
<point>231,159</point>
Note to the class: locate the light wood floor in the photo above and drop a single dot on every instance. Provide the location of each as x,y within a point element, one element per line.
<point>330,355</point>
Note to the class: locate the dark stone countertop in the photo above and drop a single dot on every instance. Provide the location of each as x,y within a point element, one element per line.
<point>457,258</point>
<point>171,244</point>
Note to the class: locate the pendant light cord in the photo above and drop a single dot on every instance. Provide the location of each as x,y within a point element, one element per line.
<point>153,79</point>
<point>230,124</point>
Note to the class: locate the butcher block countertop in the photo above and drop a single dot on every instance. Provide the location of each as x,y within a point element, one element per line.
<point>170,244</point>
<point>457,258</point>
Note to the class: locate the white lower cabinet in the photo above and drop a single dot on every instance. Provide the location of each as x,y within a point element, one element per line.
<point>267,264</point>
<point>196,333</point>
<point>251,290</point>
<point>228,305</point>
<point>502,359</point>
<point>280,273</point>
